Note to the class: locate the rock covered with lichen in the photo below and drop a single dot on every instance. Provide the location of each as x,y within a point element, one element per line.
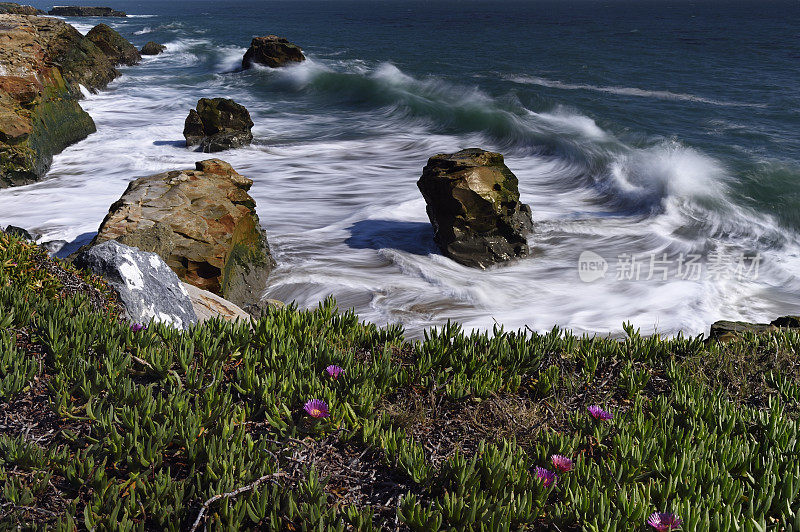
<point>473,203</point>
<point>218,124</point>
<point>203,223</point>
<point>44,62</point>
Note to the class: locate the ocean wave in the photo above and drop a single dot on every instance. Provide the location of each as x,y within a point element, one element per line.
<point>627,91</point>
<point>143,31</point>
<point>631,180</point>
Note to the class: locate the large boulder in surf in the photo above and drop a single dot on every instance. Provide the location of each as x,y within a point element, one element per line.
<point>152,48</point>
<point>147,287</point>
<point>114,45</point>
<point>43,62</point>
<point>473,203</point>
<point>218,124</point>
<point>85,11</point>
<point>10,8</point>
<point>203,223</point>
<point>272,51</point>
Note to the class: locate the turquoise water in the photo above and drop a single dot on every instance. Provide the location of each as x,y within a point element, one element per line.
<point>635,128</point>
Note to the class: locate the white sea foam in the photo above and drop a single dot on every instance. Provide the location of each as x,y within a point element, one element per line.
<point>627,91</point>
<point>336,191</point>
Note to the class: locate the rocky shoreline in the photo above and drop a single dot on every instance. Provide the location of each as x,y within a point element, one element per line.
<point>202,223</point>
<point>45,62</point>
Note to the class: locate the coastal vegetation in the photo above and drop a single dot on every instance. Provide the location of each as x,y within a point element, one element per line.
<point>315,420</point>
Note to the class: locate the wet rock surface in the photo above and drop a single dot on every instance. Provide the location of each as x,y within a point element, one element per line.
<point>473,203</point>
<point>218,124</point>
<point>272,51</point>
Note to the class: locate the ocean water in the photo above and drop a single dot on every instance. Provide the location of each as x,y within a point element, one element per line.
<point>659,134</point>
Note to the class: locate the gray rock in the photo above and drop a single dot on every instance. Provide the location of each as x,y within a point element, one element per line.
<point>147,287</point>
<point>54,246</point>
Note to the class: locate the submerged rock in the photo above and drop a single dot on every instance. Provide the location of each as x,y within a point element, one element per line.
<point>147,287</point>
<point>218,124</point>
<point>114,45</point>
<point>203,223</point>
<point>11,8</point>
<point>152,48</point>
<point>473,203</point>
<point>85,11</point>
<point>272,51</point>
<point>43,62</point>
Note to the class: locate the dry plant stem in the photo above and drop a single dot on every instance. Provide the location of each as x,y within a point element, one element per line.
<point>271,477</point>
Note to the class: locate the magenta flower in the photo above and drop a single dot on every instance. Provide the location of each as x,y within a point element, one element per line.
<point>547,477</point>
<point>664,522</point>
<point>561,463</point>
<point>136,327</point>
<point>316,408</point>
<point>334,371</point>
<point>599,413</point>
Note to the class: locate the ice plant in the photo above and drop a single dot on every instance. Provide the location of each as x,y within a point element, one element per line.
<point>599,413</point>
<point>664,522</point>
<point>334,371</point>
<point>316,408</point>
<point>561,463</point>
<point>547,477</point>
<point>136,327</point>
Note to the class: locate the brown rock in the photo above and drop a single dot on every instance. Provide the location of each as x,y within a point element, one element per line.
<point>272,51</point>
<point>114,45</point>
<point>202,222</point>
<point>11,8</point>
<point>42,62</point>
<point>208,305</point>
<point>473,203</point>
<point>152,48</point>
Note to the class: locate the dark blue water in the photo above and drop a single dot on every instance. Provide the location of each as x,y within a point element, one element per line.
<point>635,128</point>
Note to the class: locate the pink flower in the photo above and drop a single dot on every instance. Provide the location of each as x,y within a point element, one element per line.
<point>316,408</point>
<point>136,327</point>
<point>334,371</point>
<point>561,463</point>
<point>547,477</point>
<point>599,413</point>
<point>664,522</point>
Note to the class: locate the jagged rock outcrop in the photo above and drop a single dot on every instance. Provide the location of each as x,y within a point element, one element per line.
<point>11,8</point>
<point>218,124</point>
<point>272,51</point>
<point>43,62</point>
<point>473,203</point>
<point>726,330</point>
<point>203,223</point>
<point>85,11</point>
<point>147,287</point>
<point>114,45</point>
<point>152,48</point>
